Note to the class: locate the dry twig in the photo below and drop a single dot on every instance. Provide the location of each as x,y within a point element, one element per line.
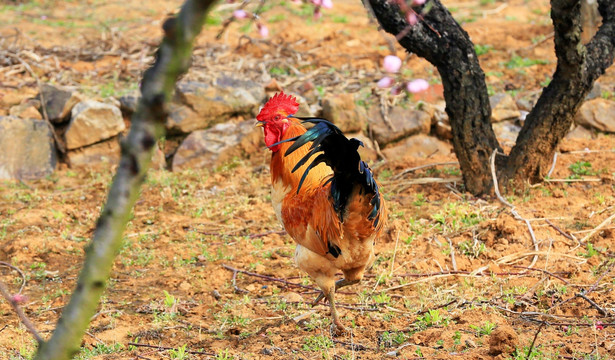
<point>512,208</point>
<point>270,278</point>
<point>22,316</point>
<point>23,276</point>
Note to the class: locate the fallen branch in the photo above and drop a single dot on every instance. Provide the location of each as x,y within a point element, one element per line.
<point>512,207</point>
<point>597,228</point>
<point>270,278</point>
<point>529,351</point>
<point>159,347</point>
<point>413,169</point>
<point>543,271</point>
<point>565,234</point>
<point>593,303</point>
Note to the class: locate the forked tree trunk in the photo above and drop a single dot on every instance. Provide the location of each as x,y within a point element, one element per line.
<point>441,41</point>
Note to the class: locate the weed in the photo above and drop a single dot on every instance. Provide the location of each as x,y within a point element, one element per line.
<point>580,168</point>
<point>591,251</point>
<point>482,49</point>
<point>472,248</point>
<point>99,349</point>
<point>223,355</point>
<point>486,329</point>
<point>339,19</point>
<point>389,339</point>
<point>317,343</point>
<point>277,18</point>
<point>419,200</point>
<point>519,62</point>
<point>431,318</point>
<point>180,353</point>
<point>382,298</point>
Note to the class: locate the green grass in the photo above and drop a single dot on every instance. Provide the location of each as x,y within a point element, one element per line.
<point>518,62</point>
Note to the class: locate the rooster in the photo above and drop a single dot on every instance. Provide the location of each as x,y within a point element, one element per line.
<point>324,195</point>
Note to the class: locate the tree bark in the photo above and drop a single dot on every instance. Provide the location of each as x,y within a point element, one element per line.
<point>578,67</point>
<point>172,60</point>
<point>440,40</point>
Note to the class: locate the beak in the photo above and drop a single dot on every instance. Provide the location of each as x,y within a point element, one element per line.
<point>259,124</point>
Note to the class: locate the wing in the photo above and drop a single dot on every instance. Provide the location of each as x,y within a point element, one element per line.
<point>311,221</point>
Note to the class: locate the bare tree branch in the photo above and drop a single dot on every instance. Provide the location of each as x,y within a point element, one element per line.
<point>172,60</point>
<point>22,316</point>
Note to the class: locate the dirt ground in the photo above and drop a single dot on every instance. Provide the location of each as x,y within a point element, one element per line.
<point>206,270</point>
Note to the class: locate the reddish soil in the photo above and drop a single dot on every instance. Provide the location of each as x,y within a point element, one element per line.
<point>456,277</point>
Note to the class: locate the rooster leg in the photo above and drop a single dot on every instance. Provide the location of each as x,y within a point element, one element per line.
<point>337,326</point>
<point>338,284</point>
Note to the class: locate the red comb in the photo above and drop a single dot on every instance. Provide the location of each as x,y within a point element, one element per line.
<point>280,103</point>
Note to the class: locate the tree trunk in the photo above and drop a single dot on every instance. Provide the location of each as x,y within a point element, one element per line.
<point>578,67</point>
<point>440,40</point>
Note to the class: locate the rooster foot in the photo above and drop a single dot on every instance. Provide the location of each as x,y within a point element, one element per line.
<point>337,329</point>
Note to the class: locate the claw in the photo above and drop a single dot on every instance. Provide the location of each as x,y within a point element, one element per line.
<point>318,298</point>
<point>338,329</point>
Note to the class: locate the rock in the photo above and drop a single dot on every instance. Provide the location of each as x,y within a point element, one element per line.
<point>129,102</point>
<point>595,92</point>
<point>305,109</point>
<point>183,119</point>
<point>503,340</point>
<point>93,121</point>
<point>27,110</point>
<point>217,145</point>
<point>59,102</point>
<point>405,122</point>
<point>444,130</point>
<point>27,149</point>
<point>292,297</point>
<point>598,114</point>
<point>417,146</point>
<point>215,103</point>
<point>506,131</point>
<point>580,132</point>
<point>104,152</point>
<point>503,107</point>
<point>528,100</point>
<point>342,110</point>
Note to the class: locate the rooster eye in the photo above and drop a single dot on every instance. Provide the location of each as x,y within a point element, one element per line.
<point>276,118</point>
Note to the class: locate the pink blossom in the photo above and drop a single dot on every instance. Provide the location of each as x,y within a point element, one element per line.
<point>262,30</point>
<point>240,14</point>
<point>599,325</point>
<point>385,82</point>
<point>327,4</point>
<point>18,298</point>
<point>317,13</point>
<point>396,90</point>
<point>417,85</point>
<point>412,18</point>
<point>417,2</point>
<point>391,63</point>
<point>317,2</point>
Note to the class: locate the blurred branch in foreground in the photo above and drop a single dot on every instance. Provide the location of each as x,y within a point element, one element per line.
<point>172,60</point>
